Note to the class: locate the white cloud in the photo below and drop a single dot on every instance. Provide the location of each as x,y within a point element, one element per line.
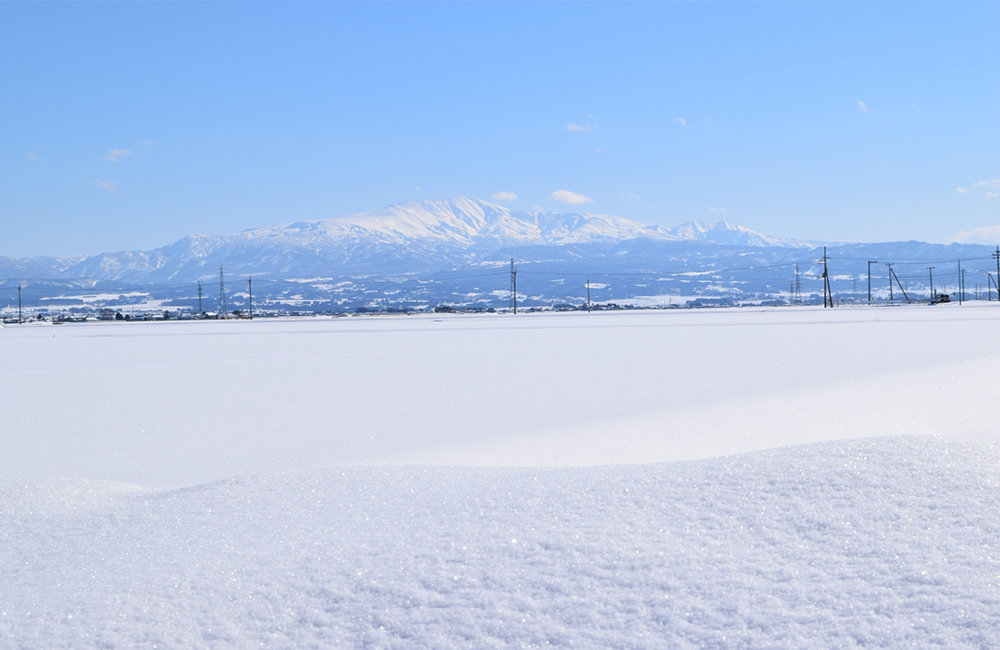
<point>571,198</point>
<point>580,127</point>
<point>147,143</point>
<point>537,208</point>
<point>981,235</point>
<point>863,107</point>
<point>993,184</point>
<point>992,195</point>
<point>417,187</point>
<point>107,185</point>
<point>716,209</point>
<point>961,190</point>
<point>117,154</point>
<point>681,121</point>
<point>505,196</point>
<point>33,156</point>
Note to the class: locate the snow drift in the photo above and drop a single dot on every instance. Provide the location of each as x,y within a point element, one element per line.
<point>887,542</point>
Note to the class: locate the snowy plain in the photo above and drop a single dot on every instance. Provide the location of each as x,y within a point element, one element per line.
<point>706,478</point>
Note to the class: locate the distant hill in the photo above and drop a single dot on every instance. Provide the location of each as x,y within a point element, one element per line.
<point>407,237</point>
<point>457,251</point>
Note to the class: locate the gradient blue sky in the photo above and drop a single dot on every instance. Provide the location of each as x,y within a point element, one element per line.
<point>817,121</point>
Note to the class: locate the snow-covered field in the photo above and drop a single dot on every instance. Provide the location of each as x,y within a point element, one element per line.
<point>715,478</point>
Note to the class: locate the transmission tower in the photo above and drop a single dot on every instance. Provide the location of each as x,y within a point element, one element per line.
<point>200,310</point>
<point>513,287</point>
<point>798,286</point>
<point>223,307</point>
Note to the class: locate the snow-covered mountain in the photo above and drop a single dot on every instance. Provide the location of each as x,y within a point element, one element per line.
<point>407,237</point>
<point>472,222</point>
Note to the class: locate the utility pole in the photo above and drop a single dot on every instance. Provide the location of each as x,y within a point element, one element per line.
<point>930,270</point>
<point>513,287</point>
<point>798,286</point>
<point>892,274</point>
<point>200,309</point>
<point>250,292</point>
<point>996,256</point>
<point>588,296</point>
<point>827,292</point>
<point>961,283</point>
<point>890,280</point>
<point>223,307</point>
<point>870,262</point>
<point>19,321</point>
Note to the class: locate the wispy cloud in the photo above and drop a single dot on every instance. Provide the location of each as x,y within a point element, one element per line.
<point>505,196</point>
<point>537,208</point>
<point>571,198</point>
<point>417,187</point>
<point>33,156</point>
<point>865,108</point>
<point>629,197</point>
<point>582,128</point>
<point>147,143</point>
<point>115,155</point>
<point>716,209</point>
<point>107,185</point>
<point>681,121</point>
<point>984,187</point>
<point>981,235</point>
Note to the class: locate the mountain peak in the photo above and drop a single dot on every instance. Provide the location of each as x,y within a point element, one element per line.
<point>404,236</point>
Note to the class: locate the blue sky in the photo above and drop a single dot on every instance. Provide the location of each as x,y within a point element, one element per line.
<point>128,126</point>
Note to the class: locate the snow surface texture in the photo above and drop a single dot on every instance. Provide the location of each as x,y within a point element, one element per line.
<point>183,403</point>
<point>884,541</point>
<point>887,542</point>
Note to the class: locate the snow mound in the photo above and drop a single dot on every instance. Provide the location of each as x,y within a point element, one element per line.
<point>886,542</point>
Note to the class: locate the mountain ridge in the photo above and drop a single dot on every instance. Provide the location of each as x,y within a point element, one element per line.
<point>411,236</point>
